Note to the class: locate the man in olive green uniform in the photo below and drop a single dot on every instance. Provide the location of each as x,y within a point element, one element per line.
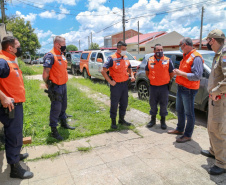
<point>217,103</point>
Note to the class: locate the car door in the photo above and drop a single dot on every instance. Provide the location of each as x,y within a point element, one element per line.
<point>99,65</point>
<point>68,57</point>
<point>92,64</point>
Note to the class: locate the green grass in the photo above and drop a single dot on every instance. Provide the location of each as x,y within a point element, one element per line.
<point>89,117</point>
<point>28,69</point>
<point>135,103</point>
<point>84,149</point>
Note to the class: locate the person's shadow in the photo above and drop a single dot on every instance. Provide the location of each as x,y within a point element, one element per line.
<point>218,179</point>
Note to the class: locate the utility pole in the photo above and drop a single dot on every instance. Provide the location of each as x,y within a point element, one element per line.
<point>123,21</point>
<point>91,38</point>
<point>3,10</point>
<point>79,44</point>
<point>88,43</point>
<point>138,37</point>
<point>200,39</point>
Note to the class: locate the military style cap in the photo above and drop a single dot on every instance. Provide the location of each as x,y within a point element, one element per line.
<point>216,34</point>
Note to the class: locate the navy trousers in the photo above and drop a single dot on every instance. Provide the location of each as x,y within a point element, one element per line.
<point>58,107</point>
<point>159,94</point>
<point>13,129</point>
<point>119,95</point>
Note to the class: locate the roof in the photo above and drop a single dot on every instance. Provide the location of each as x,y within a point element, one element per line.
<point>120,32</point>
<point>145,37</point>
<point>196,42</point>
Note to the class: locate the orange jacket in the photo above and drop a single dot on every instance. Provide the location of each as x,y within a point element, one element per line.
<point>158,71</point>
<point>119,70</point>
<point>58,72</point>
<point>13,85</point>
<point>185,66</point>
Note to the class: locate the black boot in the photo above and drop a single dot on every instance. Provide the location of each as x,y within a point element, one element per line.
<point>64,124</point>
<point>113,123</point>
<point>68,116</point>
<point>18,172</point>
<point>122,121</point>
<point>55,134</point>
<point>163,122</point>
<point>23,156</point>
<point>152,122</point>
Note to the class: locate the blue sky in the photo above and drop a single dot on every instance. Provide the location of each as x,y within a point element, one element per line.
<point>76,19</point>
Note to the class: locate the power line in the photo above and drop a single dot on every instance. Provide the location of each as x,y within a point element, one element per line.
<point>58,11</point>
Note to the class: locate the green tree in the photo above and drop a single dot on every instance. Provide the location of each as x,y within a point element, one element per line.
<point>71,48</point>
<point>94,46</point>
<point>24,32</point>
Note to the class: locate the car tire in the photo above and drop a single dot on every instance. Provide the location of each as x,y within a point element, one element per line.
<point>73,71</point>
<point>143,90</point>
<point>85,74</point>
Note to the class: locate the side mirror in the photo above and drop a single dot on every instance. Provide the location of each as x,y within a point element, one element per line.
<point>99,60</point>
<point>135,57</point>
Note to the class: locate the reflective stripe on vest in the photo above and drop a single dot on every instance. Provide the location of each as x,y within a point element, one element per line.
<point>158,71</point>
<point>13,85</point>
<point>119,70</point>
<point>185,66</point>
<point>58,72</point>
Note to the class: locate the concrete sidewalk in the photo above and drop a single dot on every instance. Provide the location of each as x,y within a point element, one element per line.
<point>121,158</point>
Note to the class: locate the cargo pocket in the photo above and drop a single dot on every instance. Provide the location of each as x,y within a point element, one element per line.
<point>218,111</point>
<point>14,140</point>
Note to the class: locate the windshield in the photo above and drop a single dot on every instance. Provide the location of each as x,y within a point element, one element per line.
<point>76,55</point>
<point>208,59</point>
<point>109,53</point>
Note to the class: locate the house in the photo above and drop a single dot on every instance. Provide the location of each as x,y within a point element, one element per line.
<point>112,40</point>
<point>169,41</point>
<point>4,33</point>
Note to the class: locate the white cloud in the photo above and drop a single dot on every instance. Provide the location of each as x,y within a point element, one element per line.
<point>30,17</point>
<point>54,15</point>
<point>42,3</point>
<point>95,4</point>
<point>41,34</point>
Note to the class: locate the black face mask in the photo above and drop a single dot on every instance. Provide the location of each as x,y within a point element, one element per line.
<point>62,48</point>
<point>159,54</point>
<point>209,46</point>
<point>19,52</point>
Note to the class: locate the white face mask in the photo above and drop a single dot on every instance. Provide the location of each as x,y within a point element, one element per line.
<point>123,53</point>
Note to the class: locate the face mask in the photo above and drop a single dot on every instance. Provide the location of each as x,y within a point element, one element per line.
<point>181,50</point>
<point>19,52</point>
<point>64,53</point>
<point>123,53</point>
<point>209,46</point>
<point>62,48</point>
<point>159,54</point>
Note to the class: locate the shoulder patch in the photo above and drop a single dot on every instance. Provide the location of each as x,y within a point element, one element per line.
<point>224,58</point>
<point>48,61</point>
<point>224,50</point>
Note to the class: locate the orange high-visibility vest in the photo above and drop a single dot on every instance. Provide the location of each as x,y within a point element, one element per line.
<point>185,66</point>
<point>13,85</point>
<point>119,70</point>
<point>158,71</point>
<point>58,72</point>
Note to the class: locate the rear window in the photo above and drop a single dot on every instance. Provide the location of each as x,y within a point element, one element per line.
<point>208,59</point>
<point>84,56</point>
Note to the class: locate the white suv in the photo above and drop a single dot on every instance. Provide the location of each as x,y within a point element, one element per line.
<point>99,57</point>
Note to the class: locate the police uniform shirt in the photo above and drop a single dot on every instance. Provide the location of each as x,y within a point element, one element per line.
<point>109,63</point>
<point>4,69</point>
<point>171,67</point>
<point>48,60</point>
